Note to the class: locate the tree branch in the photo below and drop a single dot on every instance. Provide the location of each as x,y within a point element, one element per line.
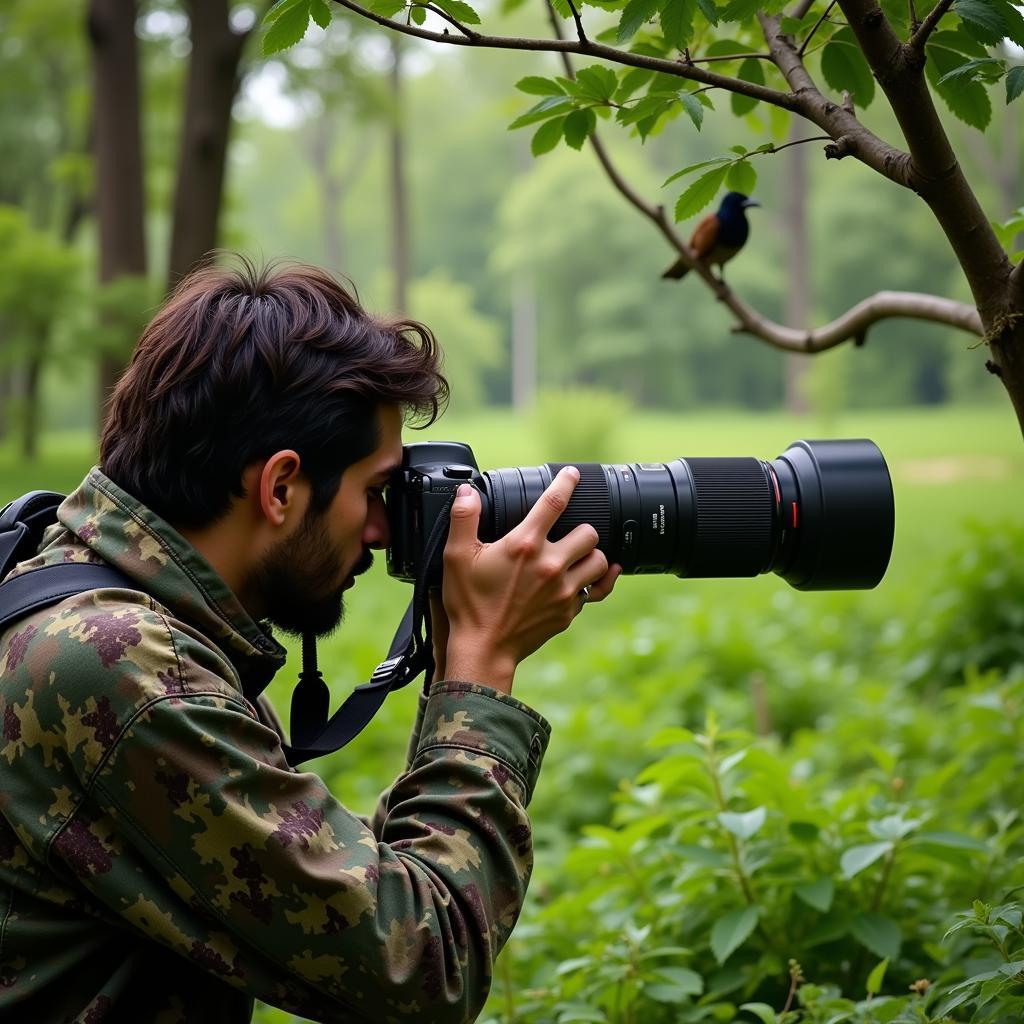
<point>934,171</point>
<point>580,34</point>
<point>852,325</point>
<point>586,47</point>
<point>434,9</point>
<point>855,322</point>
<point>925,29</point>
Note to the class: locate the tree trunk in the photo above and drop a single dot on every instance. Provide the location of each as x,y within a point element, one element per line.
<point>212,85</point>
<point>399,190</point>
<point>31,403</point>
<point>524,344</point>
<point>120,206</point>
<point>321,147</point>
<point>798,289</point>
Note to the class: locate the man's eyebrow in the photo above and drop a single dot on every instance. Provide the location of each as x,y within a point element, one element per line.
<point>388,470</point>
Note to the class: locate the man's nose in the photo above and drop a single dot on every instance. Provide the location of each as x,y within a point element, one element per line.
<point>377,533</point>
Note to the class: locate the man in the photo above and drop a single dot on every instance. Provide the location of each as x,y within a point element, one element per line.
<point>159,860</point>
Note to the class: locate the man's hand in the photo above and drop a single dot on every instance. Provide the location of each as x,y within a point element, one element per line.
<point>505,600</point>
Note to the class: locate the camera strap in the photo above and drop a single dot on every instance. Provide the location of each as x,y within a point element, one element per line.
<point>410,655</point>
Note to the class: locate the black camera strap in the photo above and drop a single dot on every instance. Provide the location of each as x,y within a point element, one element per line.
<point>410,655</point>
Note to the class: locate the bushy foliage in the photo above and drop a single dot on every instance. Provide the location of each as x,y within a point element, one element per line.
<point>579,423</point>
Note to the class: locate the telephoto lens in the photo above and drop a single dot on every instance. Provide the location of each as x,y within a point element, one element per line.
<point>821,515</point>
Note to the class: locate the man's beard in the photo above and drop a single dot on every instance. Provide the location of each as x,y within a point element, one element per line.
<point>297,580</point>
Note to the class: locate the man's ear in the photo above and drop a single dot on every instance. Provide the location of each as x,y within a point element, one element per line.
<point>281,490</point>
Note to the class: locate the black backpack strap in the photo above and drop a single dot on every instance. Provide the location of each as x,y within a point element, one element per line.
<point>22,523</point>
<point>38,588</point>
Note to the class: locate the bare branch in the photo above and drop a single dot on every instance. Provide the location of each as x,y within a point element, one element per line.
<point>817,25</point>
<point>801,9</point>
<point>915,21</point>
<point>587,47</point>
<point>925,29</point>
<point>852,325</point>
<point>855,322</point>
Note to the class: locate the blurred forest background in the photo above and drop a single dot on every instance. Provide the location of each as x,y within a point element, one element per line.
<point>739,774</point>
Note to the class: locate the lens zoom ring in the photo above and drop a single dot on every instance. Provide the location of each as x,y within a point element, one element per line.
<point>734,517</point>
<point>589,503</point>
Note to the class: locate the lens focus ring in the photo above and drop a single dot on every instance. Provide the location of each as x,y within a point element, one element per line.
<point>589,503</point>
<point>735,510</point>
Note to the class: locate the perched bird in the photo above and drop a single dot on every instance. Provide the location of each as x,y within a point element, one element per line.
<point>719,236</point>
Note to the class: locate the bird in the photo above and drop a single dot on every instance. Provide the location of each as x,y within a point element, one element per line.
<point>719,236</point>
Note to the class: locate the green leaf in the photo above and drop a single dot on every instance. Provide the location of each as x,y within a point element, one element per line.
<point>580,1013</point>
<point>805,831</point>
<point>675,984</point>
<point>857,858</point>
<point>677,23</point>
<point>966,100</point>
<point>648,107</point>
<point>846,69</point>
<point>762,1011</point>
<point>460,11</point>
<point>989,21</point>
<point>632,80</point>
<point>385,8</point>
<point>635,14</point>
<point>700,193</point>
<point>740,10</point>
<point>953,840</point>
<point>958,41</point>
<point>743,826</point>
<point>709,10</point>
<point>547,136</point>
<point>693,107</point>
<point>974,69</point>
<point>750,70</point>
<point>877,933</point>
<point>418,14</point>
<point>741,178</point>
<point>730,931</point>
<point>287,29</point>
<point>1014,83</point>
<point>550,106</point>
<point>534,85</point>
<point>320,13</point>
<point>694,167</point>
<point>280,8</point>
<point>578,126</point>
<point>876,977</point>
<point>818,895</point>
<point>597,83</point>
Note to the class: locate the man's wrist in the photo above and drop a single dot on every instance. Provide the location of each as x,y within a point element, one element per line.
<point>474,663</point>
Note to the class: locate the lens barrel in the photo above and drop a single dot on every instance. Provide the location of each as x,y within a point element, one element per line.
<point>821,515</point>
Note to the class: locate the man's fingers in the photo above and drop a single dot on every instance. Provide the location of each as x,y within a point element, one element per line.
<point>465,522</point>
<point>577,544</point>
<point>587,571</point>
<point>603,587</point>
<point>552,502</point>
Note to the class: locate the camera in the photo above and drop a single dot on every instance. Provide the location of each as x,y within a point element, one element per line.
<point>821,515</point>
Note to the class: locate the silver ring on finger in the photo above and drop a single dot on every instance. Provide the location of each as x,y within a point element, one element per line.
<point>585,594</point>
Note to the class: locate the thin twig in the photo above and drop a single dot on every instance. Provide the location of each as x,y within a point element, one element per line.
<point>468,32</point>
<point>817,25</point>
<point>914,20</point>
<point>925,29</point>
<point>579,22</point>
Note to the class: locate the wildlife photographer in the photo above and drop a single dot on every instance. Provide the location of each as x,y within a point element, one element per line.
<point>160,859</point>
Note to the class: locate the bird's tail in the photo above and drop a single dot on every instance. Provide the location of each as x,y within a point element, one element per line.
<point>677,271</point>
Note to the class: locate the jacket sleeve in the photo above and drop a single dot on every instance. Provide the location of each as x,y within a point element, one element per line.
<point>254,871</point>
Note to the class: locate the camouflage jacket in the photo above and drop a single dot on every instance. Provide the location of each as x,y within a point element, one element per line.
<point>161,862</point>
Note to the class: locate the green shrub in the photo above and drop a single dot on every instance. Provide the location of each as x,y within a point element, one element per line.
<point>579,423</point>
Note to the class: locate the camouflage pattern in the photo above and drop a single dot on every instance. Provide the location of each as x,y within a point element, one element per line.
<point>160,861</point>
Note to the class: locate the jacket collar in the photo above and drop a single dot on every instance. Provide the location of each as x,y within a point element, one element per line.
<point>123,532</point>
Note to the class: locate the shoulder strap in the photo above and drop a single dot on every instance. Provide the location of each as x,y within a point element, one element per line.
<point>22,523</point>
<point>52,583</point>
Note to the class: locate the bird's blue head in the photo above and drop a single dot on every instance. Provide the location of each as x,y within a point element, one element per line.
<point>735,202</point>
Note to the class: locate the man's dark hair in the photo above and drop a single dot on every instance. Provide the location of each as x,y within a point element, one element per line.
<point>242,362</point>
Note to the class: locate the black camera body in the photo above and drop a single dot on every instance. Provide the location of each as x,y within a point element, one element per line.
<point>821,515</point>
